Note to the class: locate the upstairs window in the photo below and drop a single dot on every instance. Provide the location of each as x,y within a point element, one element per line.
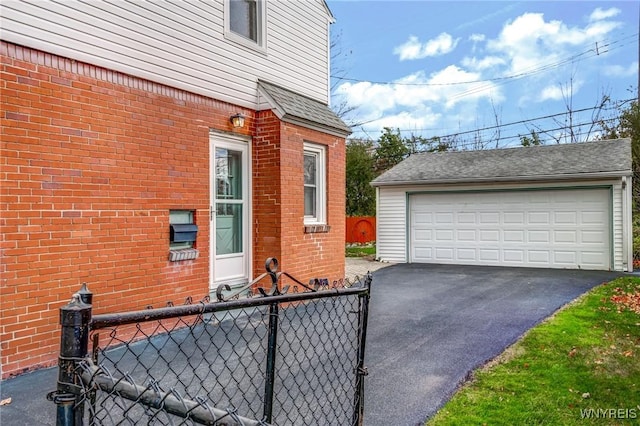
<point>245,22</point>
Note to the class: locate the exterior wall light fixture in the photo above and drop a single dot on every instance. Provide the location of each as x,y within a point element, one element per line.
<point>237,120</point>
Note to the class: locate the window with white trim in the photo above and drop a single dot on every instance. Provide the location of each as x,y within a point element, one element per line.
<point>315,197</point>
<point>245,22</point>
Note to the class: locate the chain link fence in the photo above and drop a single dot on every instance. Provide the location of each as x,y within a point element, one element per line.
<point>289,355</point>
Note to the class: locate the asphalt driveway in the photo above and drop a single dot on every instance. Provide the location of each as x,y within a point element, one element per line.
<point>431,325</point>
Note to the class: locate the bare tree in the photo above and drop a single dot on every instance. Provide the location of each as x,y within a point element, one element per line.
<point>338,56</point>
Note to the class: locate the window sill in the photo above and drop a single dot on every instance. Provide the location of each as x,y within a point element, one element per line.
<point>316,229</point>
<point>255,46</point>
<point>183,254</point>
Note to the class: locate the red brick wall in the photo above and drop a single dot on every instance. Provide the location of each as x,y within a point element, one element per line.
<point>91,162</point>
<point>278,149</point>
<point>267,194</point>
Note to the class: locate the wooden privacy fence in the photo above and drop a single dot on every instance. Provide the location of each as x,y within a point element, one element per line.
<point>360,229</point>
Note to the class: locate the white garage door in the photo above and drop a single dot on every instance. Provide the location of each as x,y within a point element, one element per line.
<point>550,228</point>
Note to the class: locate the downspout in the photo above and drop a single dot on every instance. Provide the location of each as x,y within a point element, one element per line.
<point>377,223</point>
<point>627,245</point>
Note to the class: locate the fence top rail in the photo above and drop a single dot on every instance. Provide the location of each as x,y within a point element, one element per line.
<point>110,320</point>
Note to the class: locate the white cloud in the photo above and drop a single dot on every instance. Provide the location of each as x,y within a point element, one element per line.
<point>414,49</point>
<point>459,94</point>
<point>417,119</point>
<point>558,92</point>
<point>372,100</point>
<point>620,71</point>
<point>414,101</point>
<point>481,64</point>
<point>600,14</point>
<point>551,93</point>
<point>529,42</point>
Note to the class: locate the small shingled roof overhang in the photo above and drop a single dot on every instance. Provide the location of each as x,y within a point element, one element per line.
<point>297,109</point>
<point>586,160</point>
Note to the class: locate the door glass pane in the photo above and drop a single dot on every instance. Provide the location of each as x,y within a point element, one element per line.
<point>228,228</point>
<point>228,165</point>
<point>228,174</point>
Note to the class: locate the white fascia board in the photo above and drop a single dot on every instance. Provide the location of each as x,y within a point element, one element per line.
<point>512,179</point>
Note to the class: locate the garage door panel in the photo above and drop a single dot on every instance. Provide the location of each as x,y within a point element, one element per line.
<point>466,218</point>
<point>513,236</point>
<point>443,218</point>
<point>466,235</point>
<point>424,253</point>
<point>592,217</point>
<point>592,257</point>
<point>538,236</point>
<point>539,218</point>
<point>489,236</point>
<point>466,254</point>
<point>567,258</point>
<point>513,218</point>
<point>444,235</point>
<point>592,237</point>
<point>565,237</point>
<point>423,235</point>
<point>489,255</point>
<point>555,228</point>
<point>539,257</point>
<point>489,218</point>
<point>567,218</point>
<point>444,254</point>
<point>421,218</point>
<point>516,256</point>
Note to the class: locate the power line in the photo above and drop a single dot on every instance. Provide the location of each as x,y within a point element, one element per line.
<point>575,133</point>
<point>592,52</point>
<point>618,105</point>
<point>576,128</point>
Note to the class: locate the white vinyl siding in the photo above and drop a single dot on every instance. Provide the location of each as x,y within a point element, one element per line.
<point>393,227</point>
<point>617,228</point>
<point>180,43</point>
<point>391,213</point>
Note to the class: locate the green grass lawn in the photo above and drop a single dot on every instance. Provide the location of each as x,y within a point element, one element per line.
<point>579,367</point>
<point>360,250</point>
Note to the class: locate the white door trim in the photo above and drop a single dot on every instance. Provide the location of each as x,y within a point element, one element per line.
<point>244,274</point>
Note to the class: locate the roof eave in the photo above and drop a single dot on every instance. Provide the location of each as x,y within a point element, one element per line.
<point>511,179</point>
<point>298,121</point>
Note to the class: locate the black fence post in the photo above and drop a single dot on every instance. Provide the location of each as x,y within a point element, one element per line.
<point>74,345</point>
<point>361,370</point>
<point>271,266</point>
<point>271,363</point>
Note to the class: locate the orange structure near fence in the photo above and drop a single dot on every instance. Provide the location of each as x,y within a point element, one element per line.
<point>360,229</point>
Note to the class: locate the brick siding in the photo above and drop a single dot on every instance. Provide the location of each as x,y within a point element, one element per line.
<point>92,161</point>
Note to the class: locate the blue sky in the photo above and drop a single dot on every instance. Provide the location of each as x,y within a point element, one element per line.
<point>439,68</point>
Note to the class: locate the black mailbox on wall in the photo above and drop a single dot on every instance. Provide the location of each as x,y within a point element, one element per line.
<point>185,233</point>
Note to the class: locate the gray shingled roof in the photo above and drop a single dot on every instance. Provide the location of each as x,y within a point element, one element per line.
<point>566,161</point>
<point>298,109</point>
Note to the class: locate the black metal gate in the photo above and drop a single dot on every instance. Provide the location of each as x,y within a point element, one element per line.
<point>288,355</point>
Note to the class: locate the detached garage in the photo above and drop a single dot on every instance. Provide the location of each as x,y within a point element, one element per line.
<point>557,206</point>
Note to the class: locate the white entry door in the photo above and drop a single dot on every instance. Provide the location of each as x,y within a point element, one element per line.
<point>229,212</point>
